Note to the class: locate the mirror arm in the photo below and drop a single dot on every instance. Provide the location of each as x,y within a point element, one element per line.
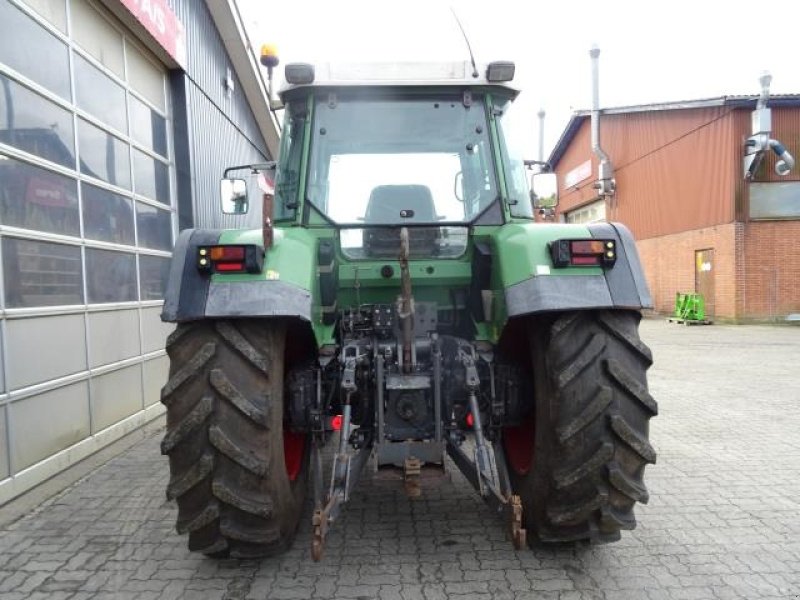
<point>545,166</point>
<point>267,229</point>
<point>255,168</point>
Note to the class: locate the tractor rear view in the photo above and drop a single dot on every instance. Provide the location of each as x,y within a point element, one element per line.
<point>400,304</point>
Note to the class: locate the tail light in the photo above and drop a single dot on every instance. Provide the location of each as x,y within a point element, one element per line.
<point>583,253</point>
<point>247,258</point>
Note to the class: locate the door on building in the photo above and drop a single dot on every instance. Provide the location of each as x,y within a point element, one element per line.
<point>704,278</point>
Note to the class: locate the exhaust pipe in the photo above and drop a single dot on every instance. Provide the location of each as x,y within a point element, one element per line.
<point>764,80</point>
<point>541,115</point>
<point>605,173</point>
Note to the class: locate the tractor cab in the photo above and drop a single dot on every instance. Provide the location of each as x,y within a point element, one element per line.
<point>368,149</point>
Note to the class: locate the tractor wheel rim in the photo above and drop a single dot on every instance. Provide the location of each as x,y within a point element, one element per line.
<point>519,442</point>
<point>294,449</point>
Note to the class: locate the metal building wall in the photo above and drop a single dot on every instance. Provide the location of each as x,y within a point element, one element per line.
<point>674,169</point>
<point>92,359</point>
<point>82,342</point>
<point>221,128</point>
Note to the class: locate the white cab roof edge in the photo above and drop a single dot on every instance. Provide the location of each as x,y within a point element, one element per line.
<point>409,74</point>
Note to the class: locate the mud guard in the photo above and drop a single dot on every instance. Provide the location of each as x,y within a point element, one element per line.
<point>621,286</point>
<point>190,295</point>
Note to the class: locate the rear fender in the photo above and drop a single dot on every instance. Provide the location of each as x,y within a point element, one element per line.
<point>622,286</point>
<point>192,295</point>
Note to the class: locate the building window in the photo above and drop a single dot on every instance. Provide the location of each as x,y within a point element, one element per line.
<point>153,273</point>
<point>97,37</point>
<point>31,50</point>
<point>107,216</point>
<point>97,214</point>
<point>596,211</point>
<point>41,273</point>
<point>110,276</point>
<point>147,126</point>
<point>154,227</point>
<point>31,123</point>
<point>36,198</point>
<point>55,11</point>
<point>104,156</point>
<point>145,77</point>
<point>150,177</point>
<point>99,95</point>
<point>775,200</point>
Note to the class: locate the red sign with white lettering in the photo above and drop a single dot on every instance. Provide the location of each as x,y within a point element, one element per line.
<point>162,24</point>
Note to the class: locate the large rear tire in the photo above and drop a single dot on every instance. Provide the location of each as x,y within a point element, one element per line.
<point>578,463</point>
<point>236,471</point>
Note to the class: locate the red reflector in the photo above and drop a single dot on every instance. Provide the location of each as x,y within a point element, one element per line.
<point>227,252</point>
<point>470,420</point>
<point>587,247</point>
<point>584,260</point>
<point>583,253</point>
<point>229,266</point>
<point>336,422</point>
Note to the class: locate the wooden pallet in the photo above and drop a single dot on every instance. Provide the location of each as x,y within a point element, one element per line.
<point>690,321</point>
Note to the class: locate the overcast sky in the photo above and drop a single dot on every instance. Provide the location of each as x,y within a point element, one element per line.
<point>651,51</point>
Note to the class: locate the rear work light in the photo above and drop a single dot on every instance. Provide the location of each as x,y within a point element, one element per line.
<point>583,253</point>
<point>247,258</point>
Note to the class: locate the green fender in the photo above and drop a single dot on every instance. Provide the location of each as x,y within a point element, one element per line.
<point>286,287</point>
<point>531,284</point>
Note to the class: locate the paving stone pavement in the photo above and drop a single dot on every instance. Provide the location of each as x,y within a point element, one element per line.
<point>723,521</point>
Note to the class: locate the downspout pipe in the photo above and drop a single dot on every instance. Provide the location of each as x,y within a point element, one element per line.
<point>605,172</point>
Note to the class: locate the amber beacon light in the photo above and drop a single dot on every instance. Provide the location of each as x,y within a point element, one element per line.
<point>269,56</point>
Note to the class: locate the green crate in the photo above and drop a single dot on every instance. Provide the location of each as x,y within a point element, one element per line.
<point>690,307</point>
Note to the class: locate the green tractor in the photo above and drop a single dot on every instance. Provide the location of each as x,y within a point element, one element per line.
<point>402,303</point>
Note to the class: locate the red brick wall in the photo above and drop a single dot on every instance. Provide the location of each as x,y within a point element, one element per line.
<point>770,269</point>
<point>756,268</point>
<point>669,265</point>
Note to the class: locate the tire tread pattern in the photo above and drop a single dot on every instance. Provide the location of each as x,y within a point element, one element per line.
<point>218,440</point>
<point>592,426</point>
<point>190,422</point>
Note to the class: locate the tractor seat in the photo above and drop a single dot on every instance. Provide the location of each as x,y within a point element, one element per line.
<point>400,205</point>
<point>387,202</point>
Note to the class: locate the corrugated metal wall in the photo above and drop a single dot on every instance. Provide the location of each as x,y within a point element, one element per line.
<point>207,64</point>
<point>222,129</point>
<point>673,169</point>
<point>213,152</point>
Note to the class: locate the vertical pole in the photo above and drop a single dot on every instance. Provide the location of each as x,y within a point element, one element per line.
<point>437,385</point>
<point>379,384</point>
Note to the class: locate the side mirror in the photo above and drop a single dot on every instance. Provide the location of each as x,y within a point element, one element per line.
<point>544,190</point>
<point>233,194</point>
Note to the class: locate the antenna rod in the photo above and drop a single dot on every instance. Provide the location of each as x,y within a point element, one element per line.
<point>466,39</point>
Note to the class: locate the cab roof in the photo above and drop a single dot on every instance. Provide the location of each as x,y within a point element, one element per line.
<point>398,75</point>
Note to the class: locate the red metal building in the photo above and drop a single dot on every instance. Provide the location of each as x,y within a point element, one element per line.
<point>700,225</point>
